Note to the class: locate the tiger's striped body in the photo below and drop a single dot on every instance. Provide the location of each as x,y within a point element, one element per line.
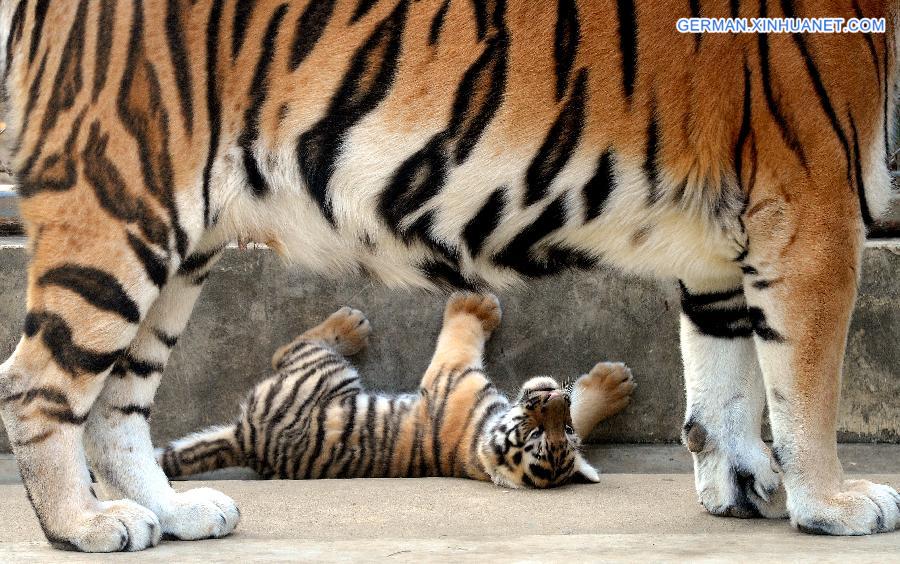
<point>441,142</point>
<point>312,419</point>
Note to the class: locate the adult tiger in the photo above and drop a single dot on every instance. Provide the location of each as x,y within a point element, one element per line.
<point>459,142</point>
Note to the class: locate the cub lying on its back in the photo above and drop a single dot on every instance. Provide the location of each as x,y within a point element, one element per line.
<point>312,419</point>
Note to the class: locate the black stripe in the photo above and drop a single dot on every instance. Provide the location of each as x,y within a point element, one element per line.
<point>347,432</point>
<point>143,114</point>
<point>100,289</point>
<point>481,17</point>
<point>822,94</point>
<point>181,63</point>
<point>744,132</point>
<point>46,393</point>
<point>652,155</point>
<point>479,95</point>
<point>316,452</point>
<point>243,12</point>
<point>362,8</point>
<point>365,85</point>
<point>259,89</point>
<point>695,13</point>
<point>718,314</point>
<point>453,454</point>
<point>422,229</point>
<point>734,8</point>
<point>484,222</point>
<point>57,336</point>
<point>437,23</point>
<point>105,28</point>
<point>699,300</point>
<point>213,101</point>
<point>37,27</point>
<point>761,326</point>
<point>565,44</point>
<point>16,28</point>
<point>58,171</point>
<point>424,174</point>
<point>310,27</point>
<point>34,91</point>
<point>112,193</point>
<point>166,339</point>
<point>628,44</point>
<point>68,81</point>
<point>559,144</point>
<point>870,43</point>
<point>521,255</point>
<point>156,267</point>
<point>785,129</point>
<point>197,262</point>
<point>65,416</point>
<point>478,430</point>
<point>134,409</point>
<point>141,368</point>
<point>599,187</point>
<point>374,445</point>
<point>860,182</point>
<point>446,276</point>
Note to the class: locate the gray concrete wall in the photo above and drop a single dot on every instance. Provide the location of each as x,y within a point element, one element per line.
<point>560,326</point>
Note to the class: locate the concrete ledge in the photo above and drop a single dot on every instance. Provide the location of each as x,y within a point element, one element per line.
<point>559,326</point>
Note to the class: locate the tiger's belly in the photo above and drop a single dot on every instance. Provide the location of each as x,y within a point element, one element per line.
<point>477,226</point>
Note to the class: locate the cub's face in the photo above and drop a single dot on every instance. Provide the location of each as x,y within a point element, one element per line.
<point>534,445</point>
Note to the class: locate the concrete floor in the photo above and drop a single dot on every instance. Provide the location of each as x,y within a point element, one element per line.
<point>637,516</point>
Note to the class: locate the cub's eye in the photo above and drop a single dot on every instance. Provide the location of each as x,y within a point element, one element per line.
<point>570,430</point>
<point>531,403</point>
<point>534,433</point>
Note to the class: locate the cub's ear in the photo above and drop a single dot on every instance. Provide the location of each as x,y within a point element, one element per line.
<point>584,472</point>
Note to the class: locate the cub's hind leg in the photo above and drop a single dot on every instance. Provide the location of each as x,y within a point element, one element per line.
<point>733,470</point>
<point>117,435</point>
<point>83,312</point>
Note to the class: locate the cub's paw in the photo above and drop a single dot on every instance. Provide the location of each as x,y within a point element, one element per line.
<point>201,513</point>
<point>862,508</point>
<point>611,379</point>
<point>117,526</point>
<point>484,307</point>
<point>347,330</point>
<point>600,394</point>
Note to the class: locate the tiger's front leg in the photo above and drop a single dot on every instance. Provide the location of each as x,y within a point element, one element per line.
<point>117,434</point>
<point>733,469</point>
<point>83,311</point>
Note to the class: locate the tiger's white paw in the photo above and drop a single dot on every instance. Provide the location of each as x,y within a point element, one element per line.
<point>735,476</point>
<point>862,508</point>
<point>117,526</point>
<point>201,513</point>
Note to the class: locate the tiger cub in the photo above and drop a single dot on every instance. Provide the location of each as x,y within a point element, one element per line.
<point>313,419</point>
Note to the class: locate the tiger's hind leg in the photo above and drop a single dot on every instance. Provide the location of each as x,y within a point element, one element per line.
<point>733,469</point>
<point>83,311</point>
<point>117,435</point>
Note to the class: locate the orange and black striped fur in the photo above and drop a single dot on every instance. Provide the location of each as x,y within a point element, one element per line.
<point>312,418</point>
<point>441,143</point>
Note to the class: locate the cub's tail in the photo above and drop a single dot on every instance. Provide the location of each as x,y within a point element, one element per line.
<point>211,449</point>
